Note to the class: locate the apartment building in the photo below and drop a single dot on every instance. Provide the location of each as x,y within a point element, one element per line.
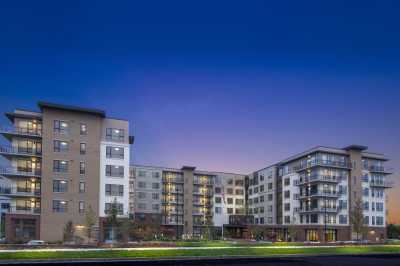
<point>62,161</point>
<point>187,200</point>
<point>312,195</point>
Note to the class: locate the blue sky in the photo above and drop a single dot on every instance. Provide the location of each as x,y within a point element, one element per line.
<point>223,85</point>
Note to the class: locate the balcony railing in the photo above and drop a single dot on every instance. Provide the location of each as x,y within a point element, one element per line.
<point>203,182</point>
<point>19,191</point>
<point>318,162</point>
<point>202,203</point>
<point>172,191</point>
<point>20,151</point>
<point>333,194</point>
<point>13,171</point>
<point>380,183</point>
<point>319,209</point>
<point>376,168</point>
<point>321,178</point>
<point>172,180</point>
<point>21,131</point>
<point>23,210</point>
<point>203,193</point>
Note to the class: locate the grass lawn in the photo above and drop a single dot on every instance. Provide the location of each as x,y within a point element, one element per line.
<point>167,253</point>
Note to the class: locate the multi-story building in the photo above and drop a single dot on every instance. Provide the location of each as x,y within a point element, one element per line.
<point>62,161</point>
<point>313,194</point>
<point>187,200</point>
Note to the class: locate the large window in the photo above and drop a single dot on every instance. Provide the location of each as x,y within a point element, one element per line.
<point>114,190</point>
<point>82,168</point>
<point>115,134</point>
<point>60,186</point>
<point>61,146</point>
<point>82,187</point>
<point>60,166</point>
<point>311,235</point>
<point>114,170</point>
<point>60,206</point>
<point>60,126</point>
<point>81,207</point>
<point>114,152</point>
<point>82,148</point>
<point>83,130</point>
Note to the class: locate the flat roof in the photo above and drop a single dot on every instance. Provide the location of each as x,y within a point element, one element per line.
<point>72,108</point>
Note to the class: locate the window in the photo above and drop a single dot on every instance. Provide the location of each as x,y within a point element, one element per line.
<point>114,190</point>
<point>155,185</point>
<point>218,210</point>
<point>287,182</point>
<point>60,206</point>
<point>238,182</point>
<point>61,146</point>
<point>81,207</point>
<point>261,188</point>
<point>287,206</point>
<point>142,195</point>
<point>270,197</point>
<point>366,220</point>
<point>155,207</point>
<point>217,190</point>
<point>142,173</point>
<point>60,126</point>
<point>83,130</point>
<point>118,206</point>
<point>229,191</point>
<point>343,219</point>
<point>60,186</point>
<point>256,190</point>
<point>82,168</point>
<point>60,166</point>
<point>142,184</point>
<point>239,191</point>
<point>287,219</point>
<point>82,148</point>
<point>142,206</point>
<point>156,175</point>
<point>115,152</point>
<point>366,192</point>
<point>379,220</point>
<point>269,186</point>
<point>217,199</point>
<point>239,202</point>
<point>230,210</point>
<point>261,198</point>
<point>287,194</point>
<point>155,196</point>
<point>114,170</point>
<point>230,181</point>
<point>82,187</point>
<point>366,205</point>
<point>261,178</point>
<point>115,134</point>
<point>230,200</point>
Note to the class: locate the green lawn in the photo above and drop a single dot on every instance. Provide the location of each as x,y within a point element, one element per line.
<point>247,251</point>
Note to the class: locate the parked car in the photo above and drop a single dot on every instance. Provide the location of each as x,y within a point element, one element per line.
<point>36,243</point>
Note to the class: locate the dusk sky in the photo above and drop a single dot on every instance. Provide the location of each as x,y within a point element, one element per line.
<point>221,85</point>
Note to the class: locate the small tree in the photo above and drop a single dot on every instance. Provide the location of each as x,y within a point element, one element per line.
<point>69,232</point>
<point>112,219</point>
<point>90,221</point>
<point>357,217</point>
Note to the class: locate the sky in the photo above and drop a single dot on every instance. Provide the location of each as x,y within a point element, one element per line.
<point>222,85</point>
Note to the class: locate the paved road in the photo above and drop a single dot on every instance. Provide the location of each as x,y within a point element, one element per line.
<point>364,260</point>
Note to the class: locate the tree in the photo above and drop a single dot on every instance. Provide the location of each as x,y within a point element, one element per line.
<point>112,220</point>
<point>69,232</point>
<point>357,217</point>
<point>90,221</point>
<point>393,231</point>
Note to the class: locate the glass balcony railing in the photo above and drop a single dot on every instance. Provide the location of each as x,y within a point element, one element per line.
<point>321,194</point>
<point>13,171</point>
<point>20,151</point>
<point>320,209</point>
<point>319,162</point>
<point>23,210</point>
<point>19,191</point>
<point>380,183</point>
<point>21,131</point>
<point>321,178</point>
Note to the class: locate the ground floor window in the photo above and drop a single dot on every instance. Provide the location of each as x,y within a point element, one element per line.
<point>25,228</point>
<point>330,235</point>
<point>312,235</point>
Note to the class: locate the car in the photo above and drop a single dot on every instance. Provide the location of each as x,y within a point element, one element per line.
<point>36,243</point>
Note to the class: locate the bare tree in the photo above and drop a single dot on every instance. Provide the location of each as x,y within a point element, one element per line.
<point>90,221</point>
<point>357,217</point>
<point>69,232</point>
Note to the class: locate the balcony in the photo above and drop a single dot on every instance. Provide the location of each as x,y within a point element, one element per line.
<point>172,180</point>
<point>172,191</point>
<point>326,163</point>
<point>19,192</point>
<point>206,182</point>
<point>377,169</point>
<point>18,172</point>
<point>168,202</point>
<point>319,209</point>
<point>333,194</point>
<point>207,193</point>
<point>203,203</point>
<point>19,151</point>
<point>9,132</point>
<point>320,178</point>
<point>24,210</point>
<point>380,183</point>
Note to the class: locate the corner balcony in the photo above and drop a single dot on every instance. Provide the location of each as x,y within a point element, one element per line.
<point>320,178</point>
<point>19,192</point>
<point>8,151</point>
<point>10,132</point>
<point>17,172</point>
<point>323,163</point>
<point>319,210</point>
